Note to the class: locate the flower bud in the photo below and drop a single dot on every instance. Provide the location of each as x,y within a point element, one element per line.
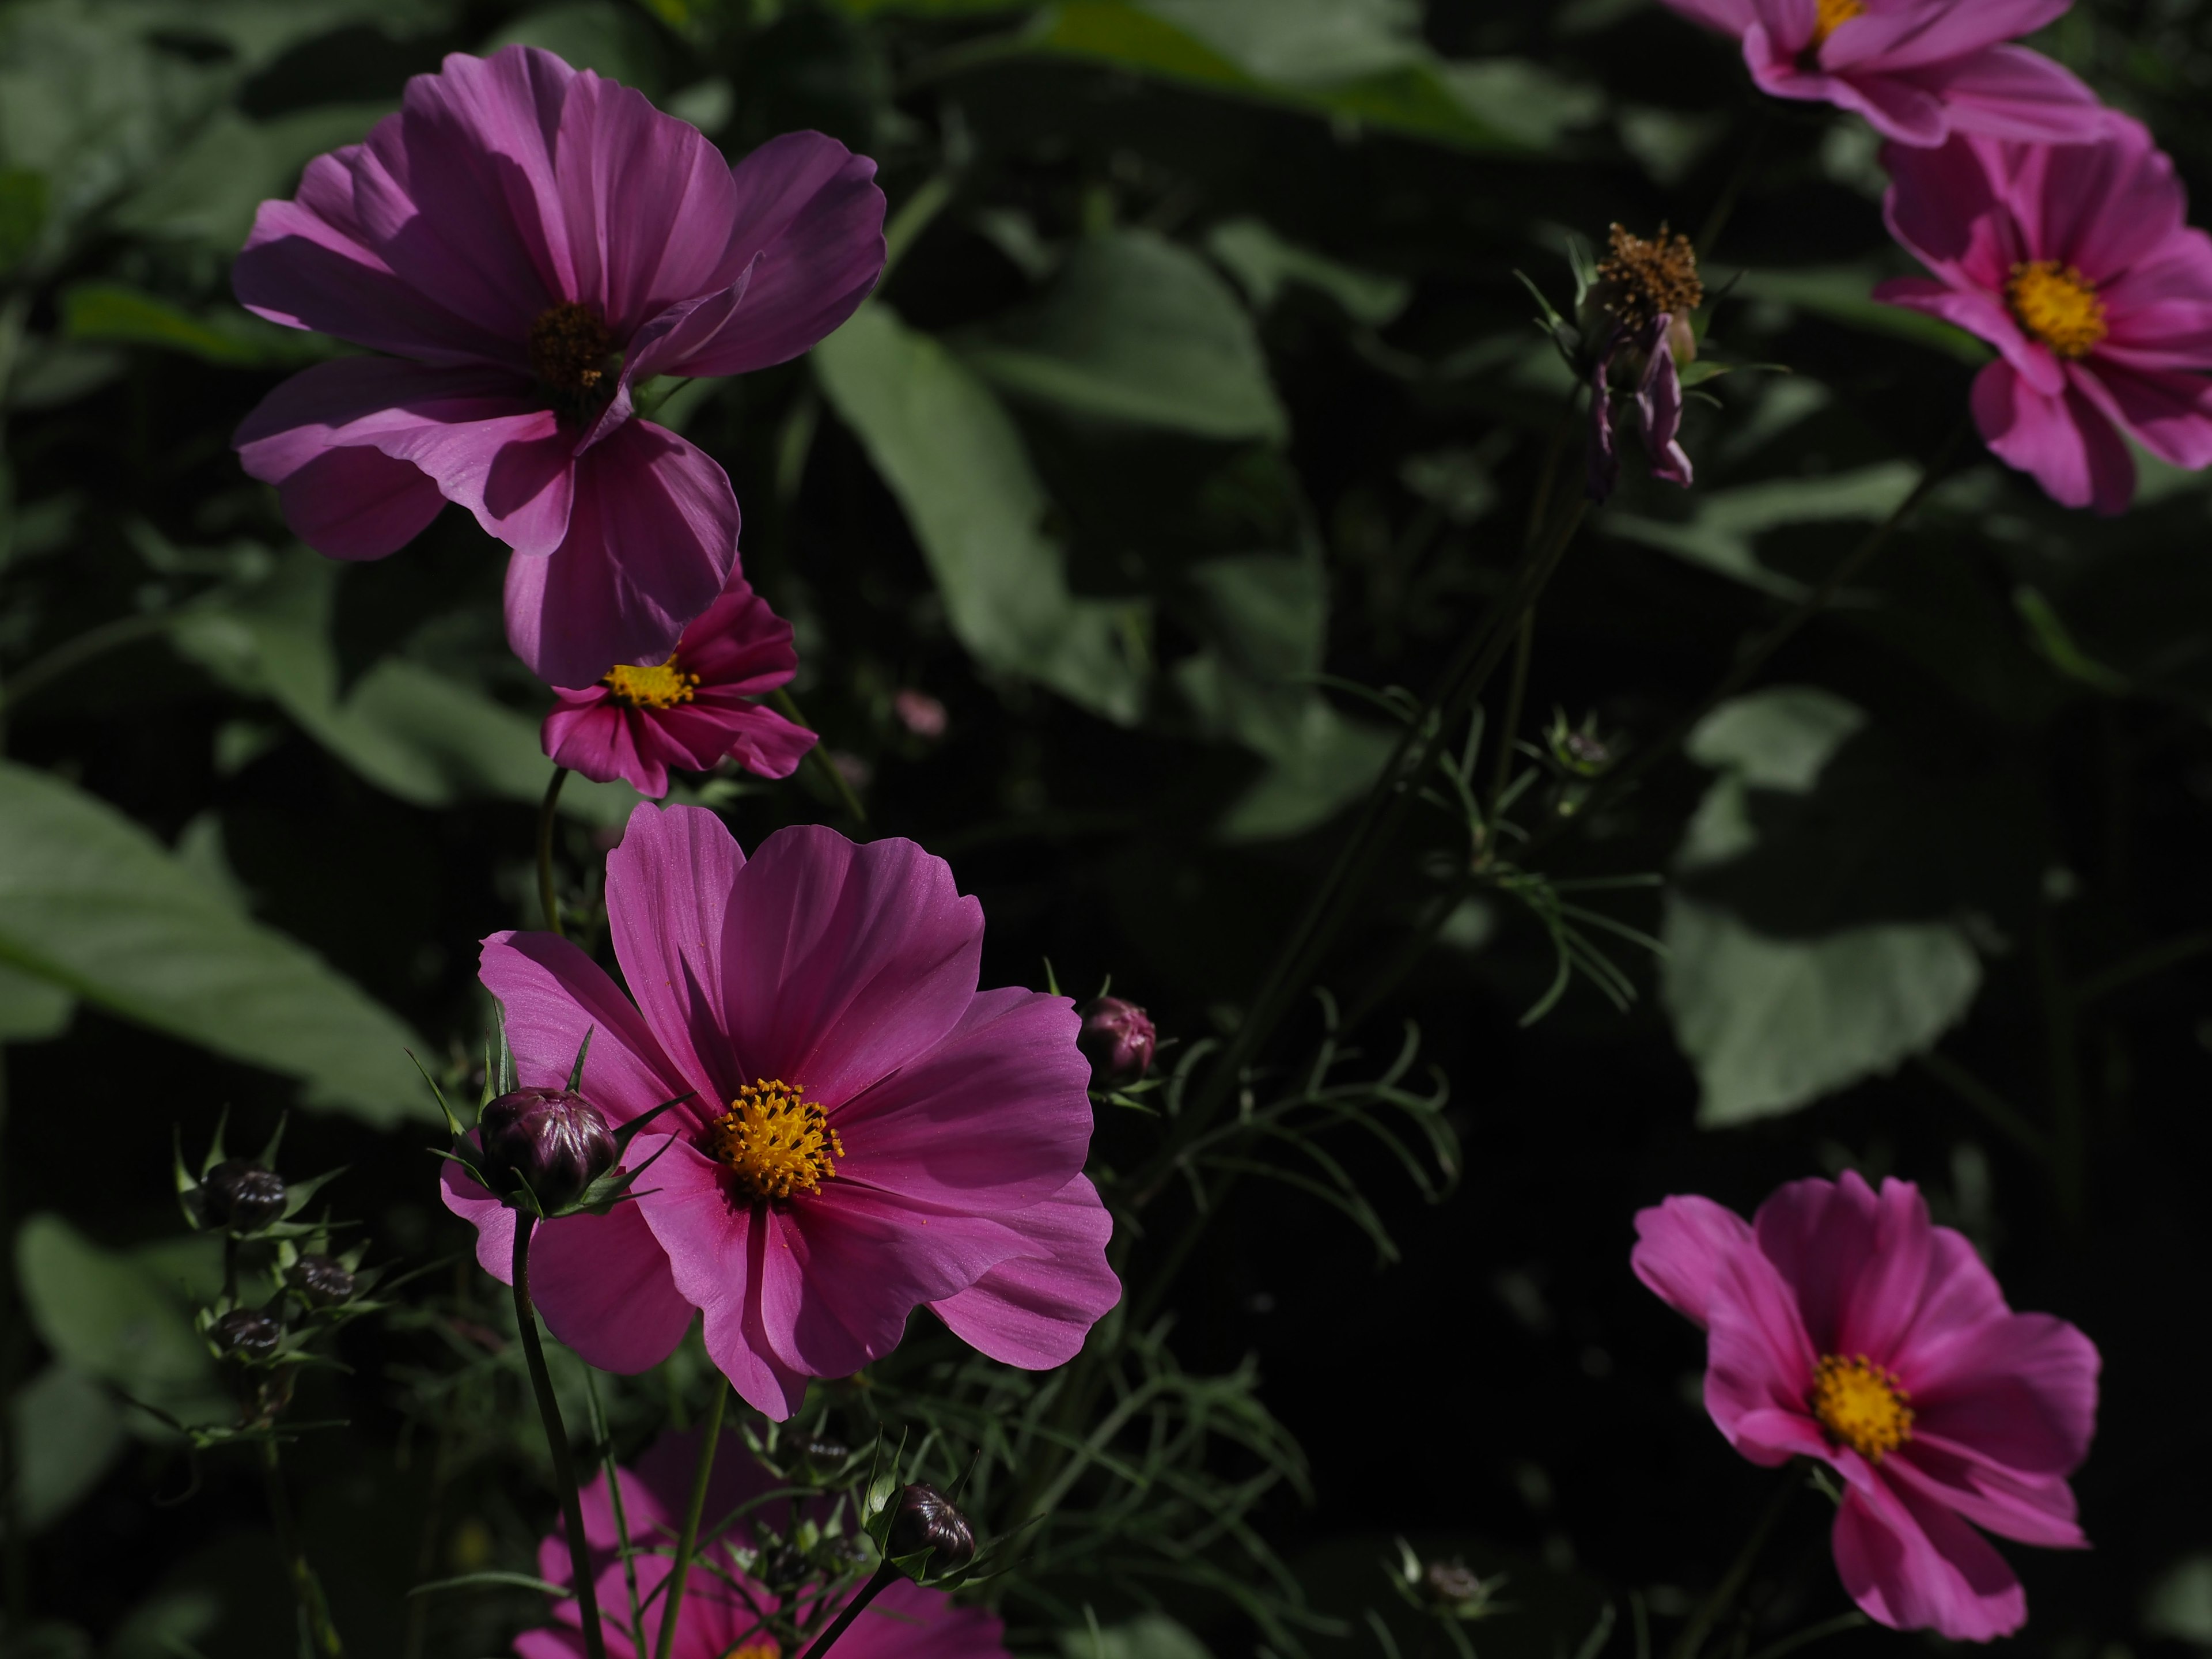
<point>243,1196</point>
<point>249,1333</point>
<point>1452,1582</point>
<point>927,1520</point>
<point>821,1452</point>
<point>323,1282</point>
<point>1117,1038</point>
<point>553,1139</point>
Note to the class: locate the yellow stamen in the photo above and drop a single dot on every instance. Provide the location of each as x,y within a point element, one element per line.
<point>774,1143</point>
<point>662,686</point>
<point>1641,276</point>
<point>760,1647</point>
<point>2058,306</point>
<point>569,347</point>
<point>1861,1406</point>
<point>1832,14</point>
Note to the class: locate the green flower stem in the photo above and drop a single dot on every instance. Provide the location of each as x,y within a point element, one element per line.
<point>820,756</point>
<point>546,896</point>
<point>15,1556</point>
<point>687,1541</point>
<point>319,1637</point>
<point>556,1443</point>
<point>885,1575</point>
<point>1710,1610</point>
<point>1812,1633</point>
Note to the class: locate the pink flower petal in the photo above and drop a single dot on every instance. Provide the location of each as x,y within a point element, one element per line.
<point>358,503</point>
<point>844,962</point>
<point>589,732</point>
<point>1685,1249</point>
<point>1950,211</point>
<point>2033,1508</point>
<point>2101,207</point>
<point>1911,1565</point>
<point>2020,1390</point>
<point>1893,106</point>
<point>1758,1358</point>
<point>1034,1309</point>
<point>652,536</point>
<point>1935,31</point>
<point>669,895</point>
<point>493,1222</point>
<point>2071,448</point>
<point>996,1118</point>
<point>2010,92</point>
<point>553,993</point>
<point>2169,412</point>
<point>906,1622</point>
<point>1825,1237</point>
<point>603,1285</point>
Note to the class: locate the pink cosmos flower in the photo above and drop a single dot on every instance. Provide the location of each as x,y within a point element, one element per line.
<point>529,244</point>
<point>1842,1326</point>
<point>1919,70</point>
<point>863,1132</point>
<point>2074,263</point>
<point>720,1616</point>
<point>691,710</point>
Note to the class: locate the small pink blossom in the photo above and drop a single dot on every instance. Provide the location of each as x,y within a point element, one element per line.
<point>692,710</point>
<point>920,712</point>
<point>2075,262</point>
<point>528,243</point>
<point>1842,1326</point>
<point>720,1616</point>
<point>862,1131</point>
<point>1919,70</point>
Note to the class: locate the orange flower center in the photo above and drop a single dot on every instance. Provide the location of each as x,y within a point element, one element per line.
<point>662,686</point>
<point>1861,1406</point>
<point>2058,306</point>
<point>1832,14</point>
<point>759,1647</point>
<point>774,1143</point>
<point>570,347</point>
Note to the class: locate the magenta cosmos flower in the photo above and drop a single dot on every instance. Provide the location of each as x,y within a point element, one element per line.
<point>1841,1325</point>
<point>529,243</point>
<point>863,1131</point>
<point>691,711</point>
<point>2074,263</point>
<point>1917,69</point>
<point>720,1614</point>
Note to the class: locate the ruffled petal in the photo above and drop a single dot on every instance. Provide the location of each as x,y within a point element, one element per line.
<point>358,503</point>
<point>906,1622</point>
<point>669,896</point>
<point>2033,1508</point>
<point>1036,1310</point>
<point>2020,1390</point>
<point>2170,413</point>
<point>1980,313</point>
<point>553,993</point>
<point>2010,92</point>
<point>1927,34</point>
<point>1912,1565</point>
<point>603,1285</point>
<point>652,536</point>
<point>2067,442</point>
<point>589,732</point>
<point>1952,214</point>
<point>1686,1247</point>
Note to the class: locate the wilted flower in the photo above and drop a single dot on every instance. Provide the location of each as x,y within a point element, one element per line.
<point>927,1520</point>
<point>1841,1325</point>
<point>551,1140</point>
<point>1118,1039</point>
<point>2075,263</point>
<point>532,244</point>
<point>1646,289</point>
<point>723,1604</point>
<point>857,1129</point>
<point>692,710</point>
<point>1919,70</point>
<point>245,1197</point>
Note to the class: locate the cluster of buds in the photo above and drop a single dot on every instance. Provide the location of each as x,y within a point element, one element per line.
<point>920,1531</point>
<point>287,1287</point>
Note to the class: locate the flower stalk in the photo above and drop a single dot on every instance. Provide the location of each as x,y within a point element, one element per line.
<point>319,1637</point>
<point>556,1443</point>
<point>687,1540</point>
<point>883,1578</point>
<point>1709,1611</point>
<point>550,899</point>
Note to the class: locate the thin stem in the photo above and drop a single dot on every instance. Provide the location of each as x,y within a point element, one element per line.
<point>820,756</point>
<point>1746,165</point>
<point>556,1443</point>
<point>687,1541</point>
<point>2001,1112</point>
<point>601,1434</point>
<point>1812,1633</point>
<point>2142,965</point>
<point>1686,1645</point>
<point>546,896</point>
<point>884,1575</point>
<point>45,671</point>
<point>15,1555</point>
<point>319,1637</point>
<point>1517,691</point>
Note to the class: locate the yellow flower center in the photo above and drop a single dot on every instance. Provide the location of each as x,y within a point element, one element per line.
<point>759,1647</point>
<point>1861,1406</point>
<point>774,1143</point>
<point>2058,306</point>
<point>1832,14</point>
<point>569,347</point>
<point>662,686</point>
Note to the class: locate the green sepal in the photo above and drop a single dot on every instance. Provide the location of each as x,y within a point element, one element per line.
<point>453,1123</point>
<point>576,1072</point>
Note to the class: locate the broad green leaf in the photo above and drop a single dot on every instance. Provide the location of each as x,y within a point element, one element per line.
<point>1774,1024</point>
<point>1266,264</point>
<point>1723,530</point>
<point>91,902</point>
<point>69,1432</point>
<point>1148,1636</point>
<point>2179,1603</point>
<point>112,1316</point>
<point>1136,329</point>
<point>111,313</point>
<point>1845,295</point>
<point>950,453</point>
<point>209,190</point>
<point>593,34</point>
<point>31,1008</point>
<point>406,727</point>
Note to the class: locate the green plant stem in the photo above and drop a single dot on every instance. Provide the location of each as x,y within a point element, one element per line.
<point>600,1433</point>
<point>885,1575</point>
<point>557,1443</point>
<point>820,756</point>
<point>2142,965</point>
<point>1988,1101</point>
<point>42,671</point>
<point>1709,1612</point>
<point>1517,693</point>
<point>1747,167</point>
<point>15,1556</point>
<point>687,1540</point>
<point>1812,1633</point>
<point>546,896</point>
<point>319,1637</point>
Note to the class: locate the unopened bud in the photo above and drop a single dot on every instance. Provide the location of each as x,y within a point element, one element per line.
<point>248,1332</point>
<point>1118,1039</point>
<point>243,1196</point>
<point>928,1520</point>
<point>1452,1582</point>
<point>818,1449</point>
<point>553,1139</point>
<point>323,1282</point>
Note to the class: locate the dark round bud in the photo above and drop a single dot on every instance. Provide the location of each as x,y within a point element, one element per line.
<point>1452,1582</point>
<point>323,1282</point>
<point>555,1141</point>
<point>1117,1038</point>
<point>818,1449</point>
<point>927,1520</point>
<point>248,1332</point>
<point>243,1196</point>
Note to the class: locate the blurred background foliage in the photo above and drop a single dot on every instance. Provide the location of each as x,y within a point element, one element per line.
<point>1200,407</point>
